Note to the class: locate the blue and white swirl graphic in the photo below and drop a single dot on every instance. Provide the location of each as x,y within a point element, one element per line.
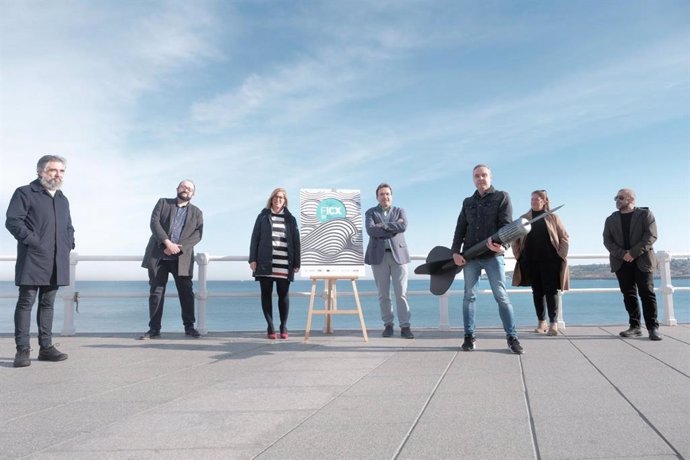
<point>335,242</point>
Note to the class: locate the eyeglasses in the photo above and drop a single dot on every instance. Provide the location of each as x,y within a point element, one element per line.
<point>619,197</point>
<point>278,197</point>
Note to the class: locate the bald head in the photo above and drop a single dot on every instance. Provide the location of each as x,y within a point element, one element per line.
<point>625,200</point>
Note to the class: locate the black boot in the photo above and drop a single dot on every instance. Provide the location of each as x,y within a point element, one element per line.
<point>22,358</point>
<point>51,354</point>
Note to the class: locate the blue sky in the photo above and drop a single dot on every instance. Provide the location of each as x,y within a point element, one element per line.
<point>579,98</point>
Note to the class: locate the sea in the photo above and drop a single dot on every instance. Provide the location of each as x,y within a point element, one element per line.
<point>130,314</point>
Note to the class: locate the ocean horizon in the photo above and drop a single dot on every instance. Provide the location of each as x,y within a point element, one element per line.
<point>130,314</point>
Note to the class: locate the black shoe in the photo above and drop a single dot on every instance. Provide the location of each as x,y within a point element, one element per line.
<point>51,354</point>
<point>23,357</point>
<point>469,343</point>
<point>191,332</point>
<point>514,346</point>
<point>406,333</point>
<point>654,335</point>
<point>387,331</point>
<point>151,334</point>
<point>631,332</point>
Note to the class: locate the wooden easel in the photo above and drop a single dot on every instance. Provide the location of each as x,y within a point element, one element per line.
<point>331,307</point>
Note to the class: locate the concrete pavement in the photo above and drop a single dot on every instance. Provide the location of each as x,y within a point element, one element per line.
<point>581,395</point>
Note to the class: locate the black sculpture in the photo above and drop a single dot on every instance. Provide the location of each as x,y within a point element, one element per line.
<point>440,265</point>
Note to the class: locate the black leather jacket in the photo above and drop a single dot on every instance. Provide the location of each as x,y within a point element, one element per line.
<point>481,217</point>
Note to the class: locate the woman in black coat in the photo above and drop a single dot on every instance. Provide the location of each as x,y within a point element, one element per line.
<point>274,257</point>
<point>542,261</point>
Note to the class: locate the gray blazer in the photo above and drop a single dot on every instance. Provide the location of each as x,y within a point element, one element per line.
<point>642,237</point>
<point>161,222</point>
<point>393,231</point>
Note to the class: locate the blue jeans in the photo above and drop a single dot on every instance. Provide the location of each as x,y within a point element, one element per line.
<point>385,272</point>
<point>495,271</point>
<point>44,315</point>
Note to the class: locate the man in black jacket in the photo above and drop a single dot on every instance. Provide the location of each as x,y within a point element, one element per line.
<point>176,227</point>
<point>38,217</point>
<point>482,215</point>
<point>629,234</point>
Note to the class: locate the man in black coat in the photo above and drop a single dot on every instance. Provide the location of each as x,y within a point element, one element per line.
<point>176,227</point>
<point>39,218</point>
<point>629,234</point>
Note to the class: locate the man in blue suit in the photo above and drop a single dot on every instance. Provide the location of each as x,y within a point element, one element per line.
<point>388,256</point>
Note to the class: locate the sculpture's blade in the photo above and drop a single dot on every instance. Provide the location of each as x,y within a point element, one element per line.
<point>547,213</point>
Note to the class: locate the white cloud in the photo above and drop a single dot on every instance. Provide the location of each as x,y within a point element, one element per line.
<point>289,94</point>
<point>635,90</point>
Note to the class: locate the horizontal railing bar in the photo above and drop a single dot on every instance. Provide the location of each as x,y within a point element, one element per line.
<point>334,312</point>
<point>72,293</point>
<point>108,258</point>
<point>226,294</point>
<point>138,258</point>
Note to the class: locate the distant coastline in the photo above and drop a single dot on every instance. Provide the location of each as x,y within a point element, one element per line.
<point>680,268</point>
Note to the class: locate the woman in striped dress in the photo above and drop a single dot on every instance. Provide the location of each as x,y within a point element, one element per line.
<point>274,257</point>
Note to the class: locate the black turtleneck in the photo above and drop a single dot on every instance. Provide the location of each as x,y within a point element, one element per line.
<point>625,223</point>
<point>538,247</point>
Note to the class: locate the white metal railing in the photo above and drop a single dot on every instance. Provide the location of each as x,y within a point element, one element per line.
<point>70,295</point>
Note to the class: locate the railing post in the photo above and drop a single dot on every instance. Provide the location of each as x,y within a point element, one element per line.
<point>666,288</point>
<point>443,322</point>
<point>68,297</point>
<point>559,306</point>
<point>201,295</point>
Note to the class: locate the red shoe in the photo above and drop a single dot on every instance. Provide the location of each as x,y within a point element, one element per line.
<point>271,335</point>
<point>284,335</point>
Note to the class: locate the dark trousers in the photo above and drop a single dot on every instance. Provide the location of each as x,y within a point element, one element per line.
<point>283,288</point>
<point>545,278</point>
<point>633,281</point>
<point>44,315</point>
<point>158,282</point>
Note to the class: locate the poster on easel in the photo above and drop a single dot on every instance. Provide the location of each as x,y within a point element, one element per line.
<point>331,233</point>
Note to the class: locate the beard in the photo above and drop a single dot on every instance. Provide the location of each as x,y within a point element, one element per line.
<point>51,183</point>
<point>184,197</point>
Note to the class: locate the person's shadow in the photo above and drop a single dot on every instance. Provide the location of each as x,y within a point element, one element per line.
<point>6,362</point>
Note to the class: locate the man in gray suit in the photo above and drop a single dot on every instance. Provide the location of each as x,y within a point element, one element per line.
<point>629,234</point>
<point>388,256</point>
<point>176,227</point>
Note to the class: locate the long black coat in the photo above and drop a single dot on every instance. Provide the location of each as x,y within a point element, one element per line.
<point>261,245</point>
<point>42,226</point>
